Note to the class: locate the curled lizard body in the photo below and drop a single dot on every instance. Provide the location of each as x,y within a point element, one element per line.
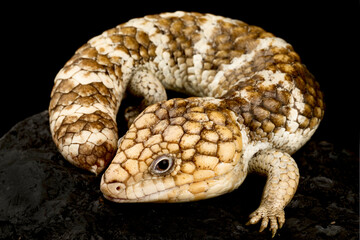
<point>255,104</point>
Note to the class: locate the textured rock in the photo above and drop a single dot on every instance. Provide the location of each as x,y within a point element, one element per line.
<point>44,197</point>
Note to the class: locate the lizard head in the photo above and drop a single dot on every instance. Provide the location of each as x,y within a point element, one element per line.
<point>177,150</point>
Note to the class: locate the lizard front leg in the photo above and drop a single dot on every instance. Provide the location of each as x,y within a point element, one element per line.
<point>282,181</point>
<point>144,84</point>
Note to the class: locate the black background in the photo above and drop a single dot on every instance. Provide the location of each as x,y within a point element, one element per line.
<point>38,38</point>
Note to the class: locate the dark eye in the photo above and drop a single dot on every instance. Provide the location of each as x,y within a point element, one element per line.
<point>162,165</point>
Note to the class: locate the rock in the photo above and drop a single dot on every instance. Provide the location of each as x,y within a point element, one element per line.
<point>331,230</point>
<point>44,197</point>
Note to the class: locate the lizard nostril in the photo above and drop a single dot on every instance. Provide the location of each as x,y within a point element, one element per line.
<point>119,187</point>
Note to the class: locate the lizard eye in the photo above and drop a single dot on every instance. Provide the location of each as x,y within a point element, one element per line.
<point>162,165</point>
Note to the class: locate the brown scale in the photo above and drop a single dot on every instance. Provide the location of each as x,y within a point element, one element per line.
<point>205,127</point>
<point>89,59</point>
<point>268,108</point>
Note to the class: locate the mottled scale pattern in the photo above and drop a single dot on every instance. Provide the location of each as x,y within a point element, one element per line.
<point>254,104</point>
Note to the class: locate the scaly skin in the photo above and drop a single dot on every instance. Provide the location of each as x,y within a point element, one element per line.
<point>255,104</point>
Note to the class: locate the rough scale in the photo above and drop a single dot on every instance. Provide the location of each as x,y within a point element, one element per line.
<point>254,105</point>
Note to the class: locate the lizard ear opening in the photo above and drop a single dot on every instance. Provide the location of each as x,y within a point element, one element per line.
<point>162,165</point>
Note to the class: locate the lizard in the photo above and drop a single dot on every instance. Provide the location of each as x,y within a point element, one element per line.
<point>253,105</point>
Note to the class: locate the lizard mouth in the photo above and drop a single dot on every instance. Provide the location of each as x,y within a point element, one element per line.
<point>118,192</point>
<point>146,198</point>
<point>173,194</point>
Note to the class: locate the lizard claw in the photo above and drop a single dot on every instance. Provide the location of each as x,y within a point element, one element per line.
<point>275,217</point>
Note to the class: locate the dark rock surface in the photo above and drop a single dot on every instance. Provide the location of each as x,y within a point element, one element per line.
<point>44,197</point>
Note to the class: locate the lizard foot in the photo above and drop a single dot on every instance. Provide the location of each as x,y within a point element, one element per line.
<point>275,217</point>
<point>131,113</point>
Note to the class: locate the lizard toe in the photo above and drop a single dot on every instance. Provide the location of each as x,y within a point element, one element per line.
<point>276,218</point>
